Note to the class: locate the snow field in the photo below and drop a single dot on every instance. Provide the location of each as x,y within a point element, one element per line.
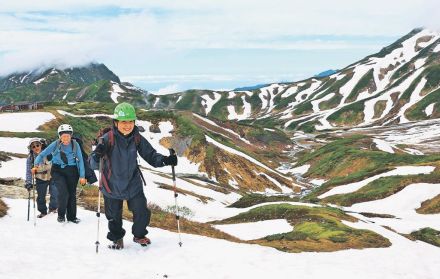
<point>403,205</point>
<point>68,251</point>
<point>256,230</point>
<point>28,121</point>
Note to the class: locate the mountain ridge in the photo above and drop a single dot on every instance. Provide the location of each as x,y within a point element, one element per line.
<point>376,90</point>
<point>399,83</point>
<point>92,82</point>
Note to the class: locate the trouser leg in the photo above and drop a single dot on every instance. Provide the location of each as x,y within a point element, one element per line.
<point>141,215</point>
<point>41,199</point>
<point>72,182</point>
<point>63,194</point>
<point>113,212</point>
<point>53,204</point>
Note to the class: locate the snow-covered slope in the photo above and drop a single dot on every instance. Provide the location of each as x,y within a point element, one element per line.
<point>69,252</point>
<point>398,84</point>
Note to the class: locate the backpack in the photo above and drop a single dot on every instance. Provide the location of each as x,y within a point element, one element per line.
<point>111,143</point>
<point>89,173</point>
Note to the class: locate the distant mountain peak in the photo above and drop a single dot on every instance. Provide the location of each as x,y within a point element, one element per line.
<point>91,82</point>
<point>326,73</point>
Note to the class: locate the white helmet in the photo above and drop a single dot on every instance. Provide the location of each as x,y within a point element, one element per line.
<point>65,128</point>
<point>33,140</point>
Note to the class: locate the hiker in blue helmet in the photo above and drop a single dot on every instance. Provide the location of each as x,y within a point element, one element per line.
<point>121,177</point>
<point>67,169</point>
<point>42,178</point>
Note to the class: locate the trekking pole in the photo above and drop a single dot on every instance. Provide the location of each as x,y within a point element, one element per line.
<point>29,192</point>
<point>33,194</point>
<point>172,152</point>
<point>29,203</point>
<point>98,213</point>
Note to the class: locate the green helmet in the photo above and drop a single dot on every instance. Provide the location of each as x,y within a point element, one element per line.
<point>124,112</point>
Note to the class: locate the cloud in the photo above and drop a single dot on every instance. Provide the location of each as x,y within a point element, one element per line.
<point>169,89</point>
<point>73,32</point>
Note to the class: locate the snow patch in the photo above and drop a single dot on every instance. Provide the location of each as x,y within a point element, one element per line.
<point>208,102</point>
<point>352,187</point>
<point>29,121</point>
<point>359,72</point>
<point>386,96</point>
<point>420,62</point>
<point>413,151</point>
<point>290,91</point>
<point>300,170</point>
<point>184,166</point>
<point>429,109</point>
<point>383,145</point>
<point>14,145</point>
<point>256,230</point>
<point>115,92</point>
<point>14,168</point>
<point>318,182</point>
<point>316,103</point>
<point>415,97</point>
<point>246,111</point>
<point>274,181</point>
<point>225,129</point>
<point>40,80</point>
<point>403,205</point>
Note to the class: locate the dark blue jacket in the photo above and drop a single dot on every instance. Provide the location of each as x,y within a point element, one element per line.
<point>125,179</point>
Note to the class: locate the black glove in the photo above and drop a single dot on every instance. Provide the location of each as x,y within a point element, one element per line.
<point>99,150</point>
<point>28,186</point>
<point>170,160</point>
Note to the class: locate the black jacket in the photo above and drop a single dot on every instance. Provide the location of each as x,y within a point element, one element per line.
<point>125,182</point>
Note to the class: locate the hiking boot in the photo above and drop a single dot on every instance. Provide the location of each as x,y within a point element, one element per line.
<point>143,241</point>
<point>76,220</point>
<point>53,210</point>
<point>61,219</point>
<point>41,215</point>
<point>117,244</point>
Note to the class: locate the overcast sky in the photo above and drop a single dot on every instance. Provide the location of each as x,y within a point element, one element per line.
<point>175,45</point>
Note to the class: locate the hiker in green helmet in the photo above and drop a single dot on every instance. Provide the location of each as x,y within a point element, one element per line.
<point>121,178</point>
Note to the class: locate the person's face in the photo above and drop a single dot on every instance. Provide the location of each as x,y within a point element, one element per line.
<point>36,147</point>
<point>65,138</point>
<point>125,127</point>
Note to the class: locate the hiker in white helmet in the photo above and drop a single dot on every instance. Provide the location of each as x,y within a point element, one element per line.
<point>42,178</point>
<point>67,168</point>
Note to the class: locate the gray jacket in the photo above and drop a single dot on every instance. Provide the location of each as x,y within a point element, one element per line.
<point>124,180</point>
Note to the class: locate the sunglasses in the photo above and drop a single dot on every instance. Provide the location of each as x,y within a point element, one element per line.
<point>35,145</point>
